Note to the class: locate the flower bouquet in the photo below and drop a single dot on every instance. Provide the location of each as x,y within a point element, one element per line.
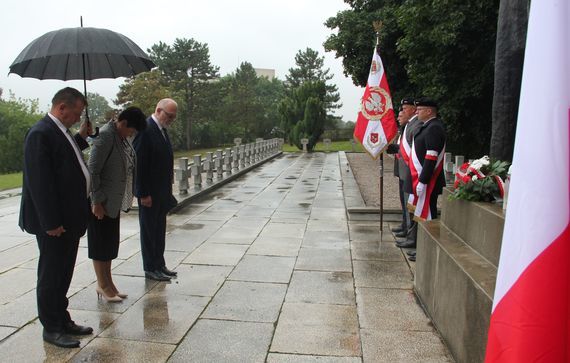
<point>480,180</point>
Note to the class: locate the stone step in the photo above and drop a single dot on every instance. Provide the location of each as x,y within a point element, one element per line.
<point>456,284</point>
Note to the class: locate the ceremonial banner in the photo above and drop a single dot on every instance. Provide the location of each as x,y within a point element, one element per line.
<point>376,126</point>
<point>530,319</point>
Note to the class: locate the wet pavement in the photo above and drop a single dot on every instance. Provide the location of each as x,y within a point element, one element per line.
<point>270,269</point>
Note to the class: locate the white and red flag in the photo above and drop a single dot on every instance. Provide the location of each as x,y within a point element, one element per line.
<point>530,320</point>
<point>376,126</point>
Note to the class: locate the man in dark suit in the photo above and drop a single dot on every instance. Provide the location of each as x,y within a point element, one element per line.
<point>55,208</point>
<point>153,188</point>
<point>428,151</point>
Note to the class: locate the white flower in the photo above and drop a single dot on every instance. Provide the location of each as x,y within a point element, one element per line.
<point>479,163</point>
<point>474,178</point>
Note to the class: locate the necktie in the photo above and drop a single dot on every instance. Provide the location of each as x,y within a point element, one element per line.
<point>166,138</point>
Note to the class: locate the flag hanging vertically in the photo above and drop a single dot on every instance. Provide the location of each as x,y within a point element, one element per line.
<point>530,320</point>
<point>376,126</point>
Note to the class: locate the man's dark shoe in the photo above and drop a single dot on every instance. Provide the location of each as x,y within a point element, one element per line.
<point>412,258</point>
<point>402,234</point>
<point>398,229</point>
<point>168,272</point>
<point>74,329</point>
<point>60,339</point>
<point>411,252</point>
<point>156,276</point>
<point>406,244</point>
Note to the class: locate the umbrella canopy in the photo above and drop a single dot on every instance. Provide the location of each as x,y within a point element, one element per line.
<point>81,53</point>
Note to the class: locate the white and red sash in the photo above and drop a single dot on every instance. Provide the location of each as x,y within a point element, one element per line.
<point>419,205</point>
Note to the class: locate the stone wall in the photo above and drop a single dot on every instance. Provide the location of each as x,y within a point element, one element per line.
<point>456,269</point>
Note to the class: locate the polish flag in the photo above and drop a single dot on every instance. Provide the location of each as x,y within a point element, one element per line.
<point>376,126</point>
<point>531,310</point>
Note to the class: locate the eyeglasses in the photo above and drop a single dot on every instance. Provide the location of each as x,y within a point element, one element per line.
<point>171,116</point>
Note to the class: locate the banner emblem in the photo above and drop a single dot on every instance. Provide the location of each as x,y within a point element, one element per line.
<point>375,104</point>
<point>374,137</point>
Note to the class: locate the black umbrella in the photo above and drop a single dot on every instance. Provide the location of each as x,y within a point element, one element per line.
<point>81,53</point>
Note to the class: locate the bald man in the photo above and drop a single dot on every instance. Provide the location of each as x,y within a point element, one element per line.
<point>153,188</point>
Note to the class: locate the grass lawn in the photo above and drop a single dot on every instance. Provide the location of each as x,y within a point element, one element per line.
<point>335,146</point>
<point>10,181</point>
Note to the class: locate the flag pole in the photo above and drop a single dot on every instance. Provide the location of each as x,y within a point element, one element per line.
<point>377,26</point>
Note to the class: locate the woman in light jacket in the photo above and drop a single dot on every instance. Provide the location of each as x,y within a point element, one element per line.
<point>112,166</point>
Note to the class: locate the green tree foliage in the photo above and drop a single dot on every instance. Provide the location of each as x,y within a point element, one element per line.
<point>249,102</point>
<point>303,113</point>
<point>186,66</point>
<point>440,48</point>
<point>144,91</point>
<point>310,68</point>
<point>16,118</point>
<point>355,39</point>
<point>98,108</point>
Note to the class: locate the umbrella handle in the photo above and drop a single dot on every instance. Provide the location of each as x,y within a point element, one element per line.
<point>96,133</point>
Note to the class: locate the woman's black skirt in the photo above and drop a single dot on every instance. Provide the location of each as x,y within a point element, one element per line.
<point>103,238</point>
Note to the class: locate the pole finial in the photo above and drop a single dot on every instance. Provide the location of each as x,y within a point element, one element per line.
<point>377,24</point>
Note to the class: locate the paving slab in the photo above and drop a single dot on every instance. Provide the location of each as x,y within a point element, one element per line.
<point>275,246</point>
<point>382,274</point>
<point>264,269</point>
<point>217,254</point>
<point>374,305</point>
<point>199,280</point>
<point>247,301</point>
<point>321,287</point>
<point>120,350</point>
<point>402,347</point>
<point>161,316</point>
<point>379,251</point>
<point>317,329</point>
<point>324,259</point>
<point>295,358</point>
<point>224,341</point>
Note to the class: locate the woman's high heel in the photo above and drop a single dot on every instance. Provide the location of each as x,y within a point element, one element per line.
<point>101,294</point>
<point>122,296</point>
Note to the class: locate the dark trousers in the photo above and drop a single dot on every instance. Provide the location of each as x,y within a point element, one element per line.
<point>406,222</point>
<point>433,205</point>
<point>153,232</point>
<point>55,270</point>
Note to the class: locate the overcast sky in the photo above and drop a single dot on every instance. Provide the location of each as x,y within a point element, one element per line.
<point>266,33</point>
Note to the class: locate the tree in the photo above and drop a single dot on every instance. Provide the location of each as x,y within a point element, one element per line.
<point>303,113</point>
<point>310,68</point>
<point>16,118</point>
<point>241,102</point>
<point>144,91</point>
<point>355,39</point>
<point>186,66</point>
<point>509,57</point>
<point>98,108</point>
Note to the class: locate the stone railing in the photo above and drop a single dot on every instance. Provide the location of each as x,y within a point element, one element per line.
<point>221,164</point>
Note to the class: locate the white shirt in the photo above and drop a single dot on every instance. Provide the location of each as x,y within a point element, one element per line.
<point>78,152</point>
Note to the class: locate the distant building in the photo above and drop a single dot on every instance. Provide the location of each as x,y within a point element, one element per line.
<point>265,72</point>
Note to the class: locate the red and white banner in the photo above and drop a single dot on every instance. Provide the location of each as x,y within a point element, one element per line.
<point>531,310</point>
<point>376,126</point>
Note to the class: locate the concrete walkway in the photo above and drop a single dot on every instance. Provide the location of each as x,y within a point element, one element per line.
<point>270,270</point>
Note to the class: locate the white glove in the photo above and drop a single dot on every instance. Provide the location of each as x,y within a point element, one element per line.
<point>420,188</point>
